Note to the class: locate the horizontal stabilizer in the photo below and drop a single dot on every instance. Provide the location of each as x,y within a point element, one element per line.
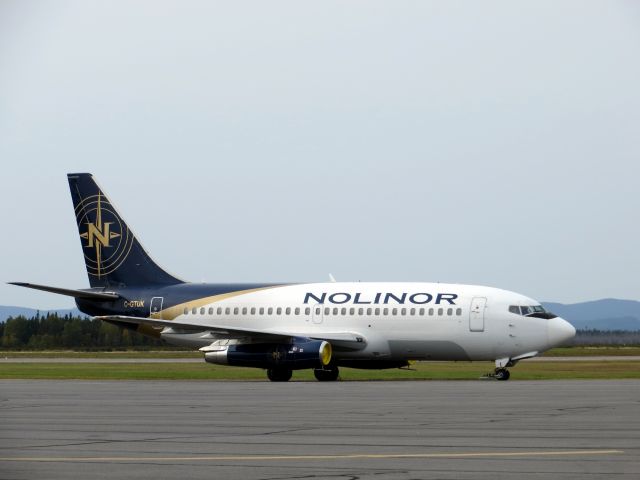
<point>88,294</point>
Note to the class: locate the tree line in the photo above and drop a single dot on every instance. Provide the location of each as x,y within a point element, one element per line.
<point>614,338</point>
<point>55,332</point>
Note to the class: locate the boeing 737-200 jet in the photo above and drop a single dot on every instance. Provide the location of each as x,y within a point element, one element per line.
<point>286,327</point>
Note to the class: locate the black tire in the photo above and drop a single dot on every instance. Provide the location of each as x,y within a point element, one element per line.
<point>502,374</point>
<point>327,374</point>
<point>279,374</point>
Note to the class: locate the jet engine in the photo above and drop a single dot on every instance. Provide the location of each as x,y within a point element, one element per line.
<point>300,354</point>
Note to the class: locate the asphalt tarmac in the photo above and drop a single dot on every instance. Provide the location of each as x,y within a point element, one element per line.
<point>351,430</point>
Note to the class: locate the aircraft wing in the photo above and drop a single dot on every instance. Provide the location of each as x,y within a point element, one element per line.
<point>234,332</point>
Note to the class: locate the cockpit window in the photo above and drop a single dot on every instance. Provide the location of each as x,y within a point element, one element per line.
<point>537,311</point>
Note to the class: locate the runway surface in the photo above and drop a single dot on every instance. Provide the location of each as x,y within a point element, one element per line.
<point>351,430</point>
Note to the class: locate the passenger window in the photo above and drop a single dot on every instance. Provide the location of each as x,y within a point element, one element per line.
<point>261,310</point>
<point>244,310</point>
<point>327,310</point>
<point>344,311</point>
<point>352,311</point>
<point>421,312</point>
<point>307,311</point>
<point>253,310</point>
<point>288,311</point>
<point>317,311</point>
<point>377,311</point>
<point>279,311</point>
<point>194,310</point>
<point>202,311</point>
<point>449,311</point>
<point>360,311</point>
<point>270,311</point>
<point>385,311</point>
<point>403,312</point>
<point>236,311</point>
<point>458,311</point>
<point>412,311</point>
<point>335,310</point>
<point>210,310</point>
<point>186,311</point>
<point>219,310</point>
<point>368,311</point>
<point>431,312</point>
<point>394,311</point>
<point>440,312</point>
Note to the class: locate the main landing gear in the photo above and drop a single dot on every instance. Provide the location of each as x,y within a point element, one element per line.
<point>279,374</point>
<point>327,374</point>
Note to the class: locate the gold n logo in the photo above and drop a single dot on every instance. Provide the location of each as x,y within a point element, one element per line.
<point>99,234</point>
<point>102,237</point>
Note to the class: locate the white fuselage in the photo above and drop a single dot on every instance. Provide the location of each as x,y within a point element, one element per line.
<point>396,321</point>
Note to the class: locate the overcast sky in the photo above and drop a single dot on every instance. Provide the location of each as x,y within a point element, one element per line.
<point>493,143</point>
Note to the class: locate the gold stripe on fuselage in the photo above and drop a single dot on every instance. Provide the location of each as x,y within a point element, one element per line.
<point>172,313</point>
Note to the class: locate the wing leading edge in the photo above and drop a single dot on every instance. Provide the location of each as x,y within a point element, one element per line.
<point>232,331</point>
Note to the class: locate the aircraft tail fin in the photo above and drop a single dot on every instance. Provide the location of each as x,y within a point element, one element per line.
<point>112,254</point>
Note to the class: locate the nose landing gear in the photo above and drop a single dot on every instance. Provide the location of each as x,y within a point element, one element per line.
<point>501,372</point>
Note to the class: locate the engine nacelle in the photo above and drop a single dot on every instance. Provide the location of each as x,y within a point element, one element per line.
<point>297,355</point>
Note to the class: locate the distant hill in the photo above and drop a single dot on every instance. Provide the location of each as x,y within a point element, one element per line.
<point>6,312</point>
<point>606,314</point>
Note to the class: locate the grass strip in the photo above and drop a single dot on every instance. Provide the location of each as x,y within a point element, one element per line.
<point>564,370</point>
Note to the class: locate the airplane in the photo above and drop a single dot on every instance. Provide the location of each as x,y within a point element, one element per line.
<point>282,327</point>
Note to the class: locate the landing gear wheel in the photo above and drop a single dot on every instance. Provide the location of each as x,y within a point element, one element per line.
<point>327,374</point>
<point>279,374</point>
<point>502,374</point>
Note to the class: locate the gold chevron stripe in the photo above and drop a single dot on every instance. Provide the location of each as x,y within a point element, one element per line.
<point>172,312</point>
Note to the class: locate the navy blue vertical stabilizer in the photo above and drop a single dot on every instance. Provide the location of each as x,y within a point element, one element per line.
<point>113,256</point>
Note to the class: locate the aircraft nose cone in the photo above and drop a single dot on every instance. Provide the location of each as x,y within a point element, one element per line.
<point>559,331</point>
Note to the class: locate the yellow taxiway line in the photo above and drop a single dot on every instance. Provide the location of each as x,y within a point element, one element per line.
<point>350,456</point>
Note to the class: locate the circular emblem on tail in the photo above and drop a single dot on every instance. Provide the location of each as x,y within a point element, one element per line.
<point>106,239</point>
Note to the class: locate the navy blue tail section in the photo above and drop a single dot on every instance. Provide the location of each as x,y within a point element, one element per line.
<point>113,256</point>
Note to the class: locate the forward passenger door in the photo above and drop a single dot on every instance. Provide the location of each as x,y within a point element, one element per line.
<point>476,314</point>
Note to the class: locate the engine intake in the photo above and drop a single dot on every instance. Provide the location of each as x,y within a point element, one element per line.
<point>297,355</point>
